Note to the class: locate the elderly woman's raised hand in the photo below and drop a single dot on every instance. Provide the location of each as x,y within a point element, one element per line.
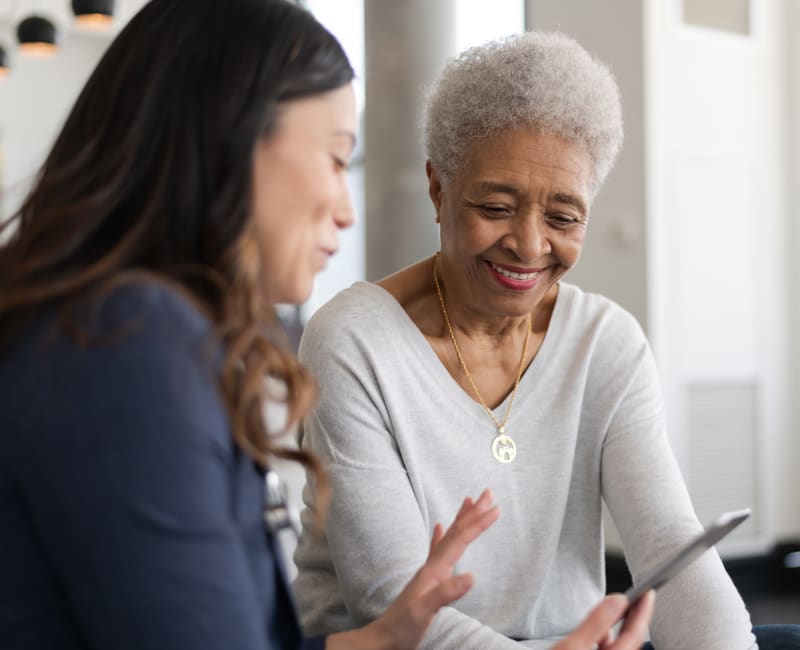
<point>406,620</point>
<point>596,629</point>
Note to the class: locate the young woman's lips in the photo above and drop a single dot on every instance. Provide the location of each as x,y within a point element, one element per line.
<point>323,255</point>
<point>512,277</point>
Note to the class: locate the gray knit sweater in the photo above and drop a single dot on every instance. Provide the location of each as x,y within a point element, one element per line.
<point>404,445</point>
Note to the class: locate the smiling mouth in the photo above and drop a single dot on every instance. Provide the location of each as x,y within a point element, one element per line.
<point>514,275</point>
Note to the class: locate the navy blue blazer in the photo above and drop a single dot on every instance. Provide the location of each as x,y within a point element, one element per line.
<point>128,517</point>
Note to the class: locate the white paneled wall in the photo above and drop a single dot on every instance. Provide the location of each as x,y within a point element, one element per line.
<point>718,271</point>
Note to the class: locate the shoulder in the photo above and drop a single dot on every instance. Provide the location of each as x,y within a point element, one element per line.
<point>148,330</point>
<point>598,329</point>
<point>359,302</point>
<point>140,331</point>
<point>142,345</point>
<point>358,317</point>
<point>110,323</point>
<point>593,312</point>
<point>144,382</point>
<point>144,309</point>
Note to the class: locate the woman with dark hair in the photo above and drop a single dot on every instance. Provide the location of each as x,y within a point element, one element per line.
<point>199,179</point>
<point>133,297</point>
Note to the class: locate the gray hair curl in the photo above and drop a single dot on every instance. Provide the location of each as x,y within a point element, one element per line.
<point>541,79</point>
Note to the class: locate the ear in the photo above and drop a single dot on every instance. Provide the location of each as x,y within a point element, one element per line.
<point>434,187</point>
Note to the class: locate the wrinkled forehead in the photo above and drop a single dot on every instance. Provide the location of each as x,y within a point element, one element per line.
<point>515,158</point>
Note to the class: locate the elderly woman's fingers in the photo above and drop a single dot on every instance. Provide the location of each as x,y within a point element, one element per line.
<point>438,529</point>
<point>438,533</point>
<point>465,504</point>
<point>448,546</point>
<point>471,520</point>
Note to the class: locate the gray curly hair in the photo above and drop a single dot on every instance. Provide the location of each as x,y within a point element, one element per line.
<point>540,79</point>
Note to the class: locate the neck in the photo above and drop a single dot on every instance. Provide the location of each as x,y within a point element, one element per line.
<point>477,324</point>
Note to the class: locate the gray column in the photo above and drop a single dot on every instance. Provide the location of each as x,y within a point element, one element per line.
<point>406,44</point>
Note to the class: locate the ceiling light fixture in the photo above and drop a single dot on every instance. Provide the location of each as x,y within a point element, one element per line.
<point>37,36</point>
<point>93,14</point>
<point>3,62</point>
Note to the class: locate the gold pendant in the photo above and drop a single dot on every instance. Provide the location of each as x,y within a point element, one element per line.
<point>503,448</point>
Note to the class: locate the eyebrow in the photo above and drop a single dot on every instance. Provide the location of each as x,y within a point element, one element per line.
<point>570,199</point>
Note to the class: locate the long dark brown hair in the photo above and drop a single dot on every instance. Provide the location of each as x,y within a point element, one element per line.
<point>152,175</point>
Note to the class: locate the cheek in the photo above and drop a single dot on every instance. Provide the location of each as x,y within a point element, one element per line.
<point>467,231</point>
<point>572,246</point>
<point>287,272</point>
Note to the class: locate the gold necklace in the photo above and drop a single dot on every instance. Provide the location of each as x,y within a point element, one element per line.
<point>504,449</point>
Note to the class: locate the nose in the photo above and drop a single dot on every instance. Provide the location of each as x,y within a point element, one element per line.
<point>344,214</point>
<point>529,238</point>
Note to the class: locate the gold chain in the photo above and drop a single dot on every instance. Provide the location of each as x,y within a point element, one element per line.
<point>500,425</point>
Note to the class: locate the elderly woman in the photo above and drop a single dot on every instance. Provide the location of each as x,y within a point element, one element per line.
<point>479,366</point>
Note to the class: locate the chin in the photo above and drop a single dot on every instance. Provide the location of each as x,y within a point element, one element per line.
<point>300,294</point>
<point>289,296</point>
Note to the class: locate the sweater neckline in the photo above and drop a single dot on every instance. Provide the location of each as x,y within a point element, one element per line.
<point>425,353</point>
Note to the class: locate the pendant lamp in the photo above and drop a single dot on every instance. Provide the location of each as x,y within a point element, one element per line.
<point>3,62</point>
<point>94,14</point>
<point>37,36</point>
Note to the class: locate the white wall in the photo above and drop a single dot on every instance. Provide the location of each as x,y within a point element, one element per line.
<point>718,268</point>
<point>34,101</point>
<point>37,95</point>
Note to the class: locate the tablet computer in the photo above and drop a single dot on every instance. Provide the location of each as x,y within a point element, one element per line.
<point>720,527</point>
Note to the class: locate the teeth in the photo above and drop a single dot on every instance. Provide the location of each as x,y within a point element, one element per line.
<point>515,276</point>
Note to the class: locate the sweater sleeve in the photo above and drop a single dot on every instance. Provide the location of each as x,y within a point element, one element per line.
<point>132,488</point>
<point>376,534</point>
<point>650,505</point>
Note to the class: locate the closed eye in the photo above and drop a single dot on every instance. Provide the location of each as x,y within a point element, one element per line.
<point>495,211</point>
<point>563,220</point>
<point>340,164</point>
